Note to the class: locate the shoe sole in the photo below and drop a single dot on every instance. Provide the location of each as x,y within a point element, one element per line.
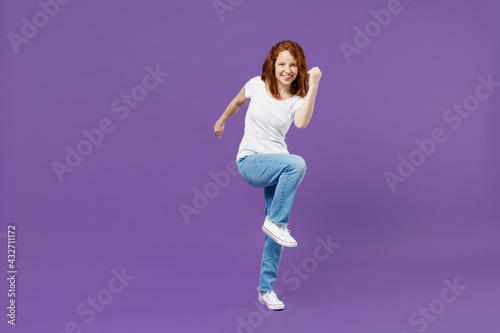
<point>272,307</point>
<point>277,240</point>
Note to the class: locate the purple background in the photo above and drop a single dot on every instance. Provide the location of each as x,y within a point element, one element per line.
<point>120,207</point>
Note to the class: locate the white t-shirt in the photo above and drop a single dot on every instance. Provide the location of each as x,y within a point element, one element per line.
<point>267,120</point>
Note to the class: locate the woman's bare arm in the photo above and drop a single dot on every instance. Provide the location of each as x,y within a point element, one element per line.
<point>231,109</point>
<point>304,113</point>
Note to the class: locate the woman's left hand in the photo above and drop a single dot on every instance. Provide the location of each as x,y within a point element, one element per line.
<point>314,76</point>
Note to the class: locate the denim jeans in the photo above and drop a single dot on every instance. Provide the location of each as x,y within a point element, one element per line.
<point>279,175</point>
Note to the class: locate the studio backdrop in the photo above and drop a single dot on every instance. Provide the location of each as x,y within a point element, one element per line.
<point>122,211</point>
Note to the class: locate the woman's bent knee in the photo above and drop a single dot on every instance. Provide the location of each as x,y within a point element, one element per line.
<point>299,164</point>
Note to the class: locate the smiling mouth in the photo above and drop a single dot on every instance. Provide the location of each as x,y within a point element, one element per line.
<point>286,77</point>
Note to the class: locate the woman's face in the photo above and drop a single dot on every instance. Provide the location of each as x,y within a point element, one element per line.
<point>286,68</point>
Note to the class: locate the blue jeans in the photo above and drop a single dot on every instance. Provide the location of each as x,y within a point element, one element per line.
<point>280,175</point>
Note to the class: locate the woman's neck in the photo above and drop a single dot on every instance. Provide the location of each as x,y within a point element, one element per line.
<point>283,90</point>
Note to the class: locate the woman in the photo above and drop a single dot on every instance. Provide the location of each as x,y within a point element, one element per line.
<point>284,92</point>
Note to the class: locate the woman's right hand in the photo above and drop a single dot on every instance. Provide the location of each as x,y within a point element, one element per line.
<point>219,128</point>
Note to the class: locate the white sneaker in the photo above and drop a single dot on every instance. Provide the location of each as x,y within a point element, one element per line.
<point>279,233</point>
<point>270,299</point>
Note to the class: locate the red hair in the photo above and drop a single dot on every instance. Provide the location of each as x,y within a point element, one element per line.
<point>300,86</point>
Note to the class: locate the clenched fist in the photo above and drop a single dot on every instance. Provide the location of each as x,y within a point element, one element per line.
<point>314,76</point>
<point>219,128</point>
